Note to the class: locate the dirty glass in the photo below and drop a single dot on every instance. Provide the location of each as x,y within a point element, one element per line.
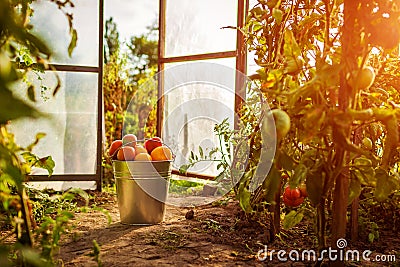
<point>200,26</point>
<point>70,121</point>
<point>198,95</point>
<point>52,25</point>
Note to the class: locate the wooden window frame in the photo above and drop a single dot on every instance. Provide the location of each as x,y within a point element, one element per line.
<point>241,66</point>
<point>98,176</point>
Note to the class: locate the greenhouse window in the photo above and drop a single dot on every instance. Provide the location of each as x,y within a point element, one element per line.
<point>73,125</point>
<point>202,64</point>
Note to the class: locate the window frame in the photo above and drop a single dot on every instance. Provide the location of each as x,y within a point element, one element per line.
<point>241,66</point>
<point>98,175</point>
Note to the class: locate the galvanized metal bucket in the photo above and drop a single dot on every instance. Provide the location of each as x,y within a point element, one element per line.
<point>142,188</point>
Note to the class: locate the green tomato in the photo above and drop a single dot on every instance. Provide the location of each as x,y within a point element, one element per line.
<point>367,143</point>
<point>362,80</point>
<point>294,65</point>
<point>282,124</point>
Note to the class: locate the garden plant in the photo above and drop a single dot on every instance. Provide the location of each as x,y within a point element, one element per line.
<point>328,74</point>
<point>29,215</point>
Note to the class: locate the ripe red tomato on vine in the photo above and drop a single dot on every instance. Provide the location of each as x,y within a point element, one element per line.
<point>292,197</point>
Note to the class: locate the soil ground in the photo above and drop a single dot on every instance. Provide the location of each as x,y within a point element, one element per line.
<point>219,234</point>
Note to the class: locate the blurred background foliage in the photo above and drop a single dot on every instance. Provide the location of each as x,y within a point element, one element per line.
<point>129,86</point>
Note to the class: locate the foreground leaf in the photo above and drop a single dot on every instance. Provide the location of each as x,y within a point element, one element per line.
<point>292,219</point>
<point>12,108</point>
<point>386,184</point>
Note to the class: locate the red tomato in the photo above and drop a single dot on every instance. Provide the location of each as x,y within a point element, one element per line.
<point>114,147</point>
<point>303,190</point>
<point>292,202</point>
<point>292,193</point>
<point>292,197</point>
<point>152,143</point>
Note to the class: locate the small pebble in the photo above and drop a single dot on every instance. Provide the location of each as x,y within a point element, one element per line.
<point>189,215</point>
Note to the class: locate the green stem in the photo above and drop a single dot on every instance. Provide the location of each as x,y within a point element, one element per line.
<point>27,236</point>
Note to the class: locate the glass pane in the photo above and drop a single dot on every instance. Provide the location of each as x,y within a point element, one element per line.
<point>252,67</point>
<point>252,3</point>
<point>52,25</point>
<point>70,125</point>
<point>194,27</point>
<point>126,13</point>
<point>198,95</point>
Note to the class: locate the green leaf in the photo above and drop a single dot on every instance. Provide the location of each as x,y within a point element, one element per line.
<point>183,169</point>
<point>272,184</point>
<point>315,185</point>
<point>329,74</point>
<point>32,258</point>
<point>31,93</point>
<point>292,219</point>
<point>310,20</point>
<point>244,198</point>
<point>285,161</point>
<point>291,49</point>
<point>257,27</point>
<point>201,153</point>
<point>371,237</point>
<point>354,188</point>
<point>67,196</point>
<point>313,121</point>
<point>78,191</point>
<point>38,137</point>
<point>34,42</point>
<point>29,158</point>
<point>362,168</point>
<point>12,108</point>
<point>300,175</point>
<point>58,86</point>
<point>72,44</point>
<point>46,163</point>
<point>15,172</point>
<point>277,14</point>
<point>258,11</point>
<point>273,3</point>
<point>386,184</point>
<point>6,66</point>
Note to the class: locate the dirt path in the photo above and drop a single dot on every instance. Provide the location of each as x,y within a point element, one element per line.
<point>177,241</point>
<point>217,235</point>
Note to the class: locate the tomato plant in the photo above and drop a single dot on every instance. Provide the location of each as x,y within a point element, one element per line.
<point>328,79</point>
<point>317,62</point>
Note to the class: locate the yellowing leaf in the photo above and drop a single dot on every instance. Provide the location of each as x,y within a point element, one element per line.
<point>277,14</point>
